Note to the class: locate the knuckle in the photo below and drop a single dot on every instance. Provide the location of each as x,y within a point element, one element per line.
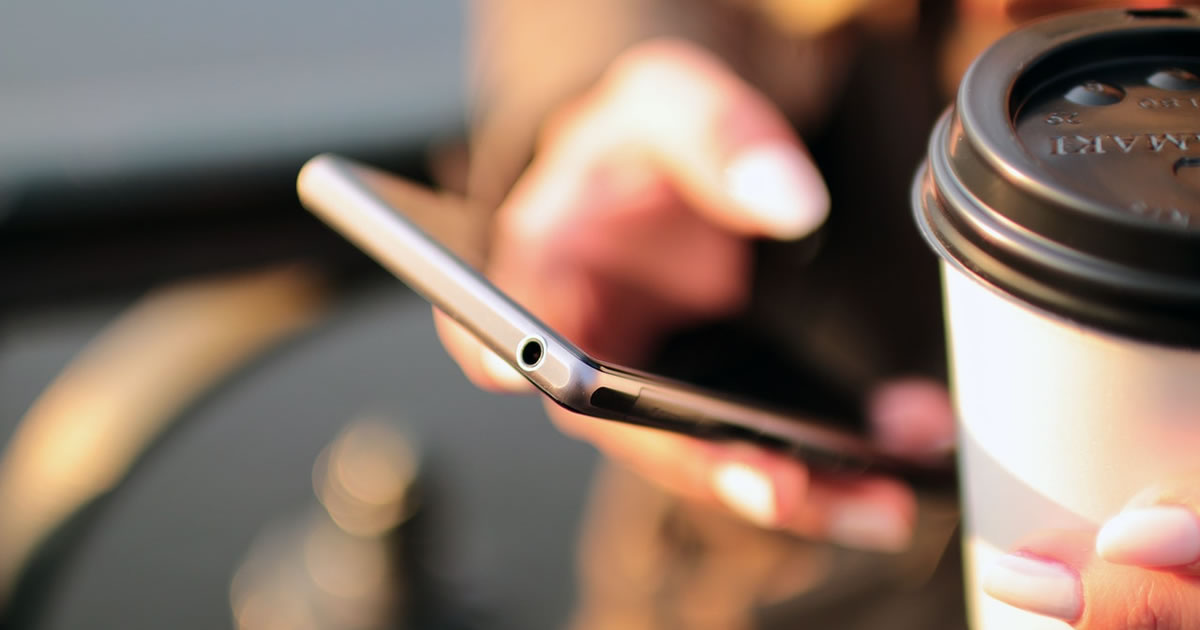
<point>521,233</point>
<point>1154,608</point>
<point>657,55</point>
<point>675,85</point>
<point>661,66</point>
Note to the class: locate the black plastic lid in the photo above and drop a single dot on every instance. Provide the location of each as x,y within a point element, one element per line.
<point>1068,172</point>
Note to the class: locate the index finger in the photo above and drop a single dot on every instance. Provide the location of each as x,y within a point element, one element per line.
<point>1159,528</point>
<point>730,152</point>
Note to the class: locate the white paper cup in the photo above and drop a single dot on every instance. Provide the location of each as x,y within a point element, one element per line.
<point>1070,248</point>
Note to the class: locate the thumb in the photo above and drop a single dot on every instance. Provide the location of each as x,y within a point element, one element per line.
<point>1058,574</point>
<point>733,157</point>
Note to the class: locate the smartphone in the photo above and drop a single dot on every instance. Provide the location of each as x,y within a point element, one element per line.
<point>433,243</point>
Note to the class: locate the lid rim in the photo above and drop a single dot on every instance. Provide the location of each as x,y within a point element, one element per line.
<point>1175,328</point>
<point>1013,243</point>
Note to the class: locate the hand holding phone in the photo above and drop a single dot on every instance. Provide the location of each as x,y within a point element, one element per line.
<point>376,211</point>
<point>637,215</point>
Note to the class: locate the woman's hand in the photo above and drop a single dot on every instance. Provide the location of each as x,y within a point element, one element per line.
<point>1140,571</point>
<point>635,218</point>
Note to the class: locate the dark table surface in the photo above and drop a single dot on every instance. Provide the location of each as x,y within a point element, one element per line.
<point>509,488</point>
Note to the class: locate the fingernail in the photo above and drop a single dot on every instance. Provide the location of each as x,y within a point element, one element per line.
<point>782,189</point>
<point>868,526</point>
<point>1039,586</point>
<point>913,418</point>
<point>502,373</point>
<point>1158,536</point>
<point>746,491</point>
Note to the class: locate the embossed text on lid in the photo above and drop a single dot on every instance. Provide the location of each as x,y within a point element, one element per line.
<point>1122,155</point>
<point>1068,172</point>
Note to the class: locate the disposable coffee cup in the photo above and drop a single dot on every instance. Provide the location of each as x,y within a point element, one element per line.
<point>1062,194</point>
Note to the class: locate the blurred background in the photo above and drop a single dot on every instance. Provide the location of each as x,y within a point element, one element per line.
<point>214,412</point>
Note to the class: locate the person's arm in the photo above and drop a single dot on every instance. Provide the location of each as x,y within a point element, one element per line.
<point>530,57</point>
<point>527,58</point>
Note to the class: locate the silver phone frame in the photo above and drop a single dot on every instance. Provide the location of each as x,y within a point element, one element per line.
<point>346,195</point>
